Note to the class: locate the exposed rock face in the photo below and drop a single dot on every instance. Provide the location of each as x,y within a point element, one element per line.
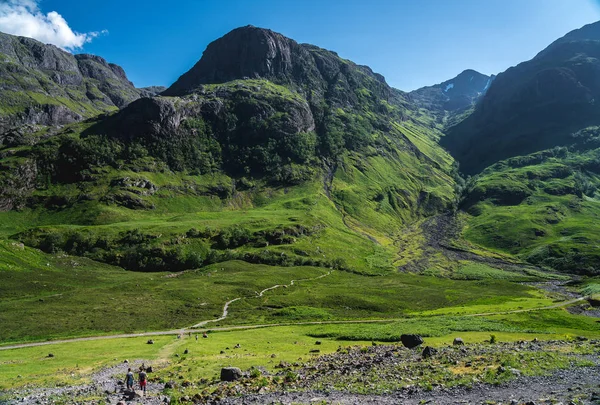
<point>43,85</point>
<point>535,105</point>
<point>247,52</point>
<point>251,52</point>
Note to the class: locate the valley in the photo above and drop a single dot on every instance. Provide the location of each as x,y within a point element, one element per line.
<point>304,215</point>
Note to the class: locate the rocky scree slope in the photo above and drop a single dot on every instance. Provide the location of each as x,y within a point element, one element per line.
<point>533,106</point>
<point>43,85</point>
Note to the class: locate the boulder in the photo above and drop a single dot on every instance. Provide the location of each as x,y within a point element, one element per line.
<point>170,385</point>
<point>150,342</point>
<point>428,352</point>
<point>458,342</point>
<point>186,351</point>
<point>411,341</point>
<point>149,369</point>
<point>230,374</point>
<point>50,355</point>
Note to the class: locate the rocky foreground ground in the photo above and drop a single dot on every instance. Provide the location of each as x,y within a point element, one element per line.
<point>532,372</point>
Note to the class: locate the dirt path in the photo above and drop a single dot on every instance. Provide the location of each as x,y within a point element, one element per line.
<point>269,325</point>
<point>225,313</point>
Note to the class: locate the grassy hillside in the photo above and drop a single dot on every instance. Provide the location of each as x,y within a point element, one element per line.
<point>541,207</point>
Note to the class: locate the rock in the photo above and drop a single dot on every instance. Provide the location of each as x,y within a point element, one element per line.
<point>186,351</point>
<point>237,346</point>
<point>315,351</point>
<point>581,338</point>
<point>170,385</point>
<point>230,374</point>
<point>458,342</point>
<point>150,342</point>
<point>149,369</point>
<point>125,361</point>
<point>50,355</point>
<point>428,352</point>
<point>411,341</point>
<point>121,403</point>
<point>222,352</point>
<point>318,342</point>
<point>273,355</point>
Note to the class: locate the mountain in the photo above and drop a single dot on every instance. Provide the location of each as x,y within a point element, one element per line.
<point>151,91</point>
<point>267,151</point>
<point>453,96</point>
<point>535,105</point>
<point>43,85</point>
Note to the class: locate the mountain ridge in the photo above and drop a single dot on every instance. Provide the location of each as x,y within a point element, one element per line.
<point>44,85</point>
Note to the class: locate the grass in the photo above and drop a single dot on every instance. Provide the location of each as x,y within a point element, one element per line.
<point>539,208</point>
<point>70,296</point>
<point>73,362</point>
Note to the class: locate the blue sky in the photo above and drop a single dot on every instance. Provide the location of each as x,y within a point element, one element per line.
<point>411,42</point>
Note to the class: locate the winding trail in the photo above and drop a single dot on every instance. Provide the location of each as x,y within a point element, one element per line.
<point>225,313</point>
<point>260,294</point>
<point>270,325</point>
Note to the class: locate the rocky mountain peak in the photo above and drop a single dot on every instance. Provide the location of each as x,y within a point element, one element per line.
<point>245,52</point>
<point>454,95</point>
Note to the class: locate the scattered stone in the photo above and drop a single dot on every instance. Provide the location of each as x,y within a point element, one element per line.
<point>230,374</point>
<point>411,341</point>
<point>458,342</point>
<point>428,352</point>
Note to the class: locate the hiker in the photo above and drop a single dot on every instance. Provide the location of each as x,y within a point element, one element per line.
<point>143,381</point>
<point>129,379</point>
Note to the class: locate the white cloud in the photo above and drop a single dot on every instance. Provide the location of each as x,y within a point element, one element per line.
<point>24,18</point>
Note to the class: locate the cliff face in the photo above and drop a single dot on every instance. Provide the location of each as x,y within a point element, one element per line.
<point>43,85</point>
<point>257,53</point>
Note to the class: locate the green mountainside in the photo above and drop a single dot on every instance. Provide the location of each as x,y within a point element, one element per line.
<point>312,158</point>
<point>272,161</point>
<point>43,85</point>
<point>533,106</point>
